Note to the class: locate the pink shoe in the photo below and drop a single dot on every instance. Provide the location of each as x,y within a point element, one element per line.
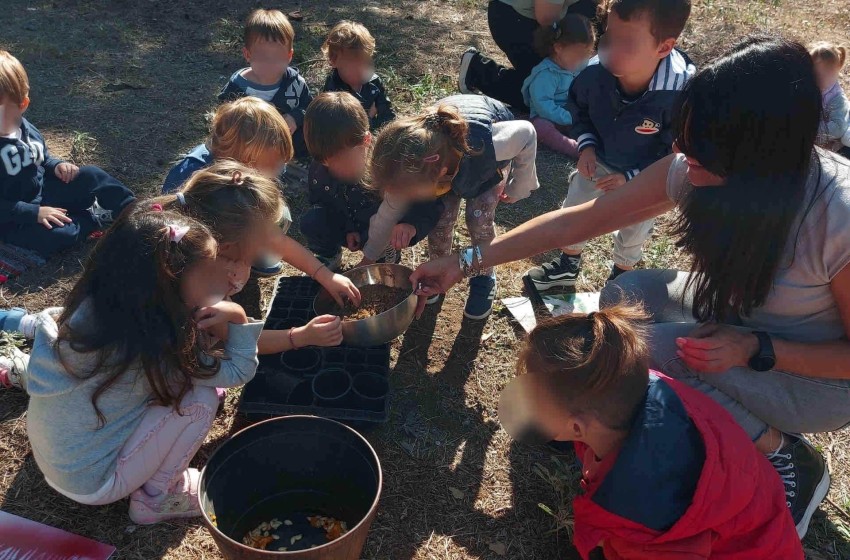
<point>179,502</point>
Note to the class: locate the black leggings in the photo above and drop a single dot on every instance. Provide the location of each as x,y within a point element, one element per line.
<point>514,34</point>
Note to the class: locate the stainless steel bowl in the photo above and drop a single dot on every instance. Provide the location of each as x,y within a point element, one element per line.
<point>385,326</point>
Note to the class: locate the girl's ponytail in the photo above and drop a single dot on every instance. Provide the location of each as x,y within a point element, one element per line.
<point>829,52</point>
<point>447,120</point>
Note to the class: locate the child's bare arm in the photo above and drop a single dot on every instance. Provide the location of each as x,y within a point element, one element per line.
<point>298,256</point>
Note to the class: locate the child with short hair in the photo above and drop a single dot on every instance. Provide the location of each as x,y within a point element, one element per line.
<point>46,204</point>
<point>336,130</point>
<point>268,42</point>
<point>247,214</point>
<point>466,147</point>
<point>122,382</point>
<point>349,49</point>
<point>623,104</point>
<point>248,130</point>
<point>565,47</point>
<point>834,133</point>
<point>667,473</point>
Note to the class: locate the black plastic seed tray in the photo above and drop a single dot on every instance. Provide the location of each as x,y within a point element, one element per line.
<point>344,383</point>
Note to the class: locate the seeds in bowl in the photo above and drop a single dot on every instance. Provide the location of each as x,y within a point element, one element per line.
<point>374,300</point>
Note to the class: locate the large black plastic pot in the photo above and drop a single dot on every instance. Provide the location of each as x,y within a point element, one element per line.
<point>287,469</point>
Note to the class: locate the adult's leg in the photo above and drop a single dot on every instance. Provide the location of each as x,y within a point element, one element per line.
<point>158,452</point>
<point>663,293</point>
<point>513,34</point>
<point>440,238</point>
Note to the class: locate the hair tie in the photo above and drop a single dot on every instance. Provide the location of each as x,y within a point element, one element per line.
<point>435,121</point>
<point>236,178</point>
<point>557,30</point>
<point>155,207</point>
<point>176,233</point>
<point>433,158</point>
<point>180,198</point>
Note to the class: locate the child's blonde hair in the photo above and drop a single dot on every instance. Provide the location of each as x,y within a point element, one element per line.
<point>271,25</point>
<point>348,36</point>
<point>596,363</point>
<point>228,198</point>
<point>420,146</point>
<point>248,128</point>
<point>829,52</point>
<point>14,83</point>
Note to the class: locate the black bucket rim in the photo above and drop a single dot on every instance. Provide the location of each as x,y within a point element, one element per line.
<point>276,553</point>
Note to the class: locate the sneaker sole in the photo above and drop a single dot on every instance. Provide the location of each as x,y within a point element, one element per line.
<point>818,497</point>
<point>477,317</point>
<point>465,61</point>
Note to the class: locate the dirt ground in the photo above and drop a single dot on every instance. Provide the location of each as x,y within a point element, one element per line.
<point>129,86</point>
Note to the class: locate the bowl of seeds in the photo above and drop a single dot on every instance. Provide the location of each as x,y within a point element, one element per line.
<point>386,308</point>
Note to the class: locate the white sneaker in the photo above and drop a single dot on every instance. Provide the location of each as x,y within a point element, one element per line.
<point>466,59</point>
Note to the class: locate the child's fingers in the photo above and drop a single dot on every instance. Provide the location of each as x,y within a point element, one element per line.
<point>325,319</point>
<point>208,322</point>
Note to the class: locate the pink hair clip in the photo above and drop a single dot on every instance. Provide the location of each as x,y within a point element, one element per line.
<point>177,233</point>
<point>156,207</point>
<point>433,158</point>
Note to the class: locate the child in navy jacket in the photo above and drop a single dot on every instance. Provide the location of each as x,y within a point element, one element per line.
<point>268,49</point>
<point>46,204</point>
<point>623,105</point>
<point>349,49</point>
<point>667,473</point>
<point>336,129</point>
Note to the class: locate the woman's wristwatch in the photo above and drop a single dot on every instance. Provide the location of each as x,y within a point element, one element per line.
<point>765,358</point>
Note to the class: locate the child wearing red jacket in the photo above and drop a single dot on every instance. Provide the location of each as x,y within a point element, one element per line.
<point>666,472</point>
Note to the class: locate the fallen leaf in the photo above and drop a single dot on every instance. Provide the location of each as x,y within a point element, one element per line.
<point>498,548</point>
<point>456,492</point>
<point>486,336</point>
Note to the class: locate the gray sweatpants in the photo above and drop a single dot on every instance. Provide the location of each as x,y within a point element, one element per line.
<point>628,242</point>
<point>790,403</point>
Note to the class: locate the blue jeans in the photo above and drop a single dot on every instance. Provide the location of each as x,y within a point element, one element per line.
<point>76,197</point>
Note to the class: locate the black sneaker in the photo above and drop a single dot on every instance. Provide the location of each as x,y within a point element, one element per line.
<point>615,271</point>
<point>561,272</point>
<point>465,83</point>
<point>805,476</point>
<point>482,292</point>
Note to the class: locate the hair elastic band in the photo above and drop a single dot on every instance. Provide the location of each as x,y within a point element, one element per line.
<point>156,207</point>
<point>433,158</point>
<point>180,198</point>
<point>236,178</point>
<point>177,233</point>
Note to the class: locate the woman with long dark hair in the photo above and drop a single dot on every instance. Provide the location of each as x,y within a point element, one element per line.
<point>766,217</point>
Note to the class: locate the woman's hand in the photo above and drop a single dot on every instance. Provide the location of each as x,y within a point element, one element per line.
<point>222,312</point>
<point>324,330</point>
<point>436,276</point>
<point>715,348</point>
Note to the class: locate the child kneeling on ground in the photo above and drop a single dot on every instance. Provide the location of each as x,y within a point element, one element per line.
<point>667,473</point>
<point>336,129</point>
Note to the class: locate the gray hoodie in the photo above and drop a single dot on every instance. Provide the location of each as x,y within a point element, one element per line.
<point>74,454</point>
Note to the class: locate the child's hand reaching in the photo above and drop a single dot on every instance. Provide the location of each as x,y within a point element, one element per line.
<point>352,241</point>
<point>66,172</point>
<point>290,122</point>
<point>324,330</point>
<point>401,236</point>
<point>340,287</point>
<point>222,312</point>
<point>587,162</point>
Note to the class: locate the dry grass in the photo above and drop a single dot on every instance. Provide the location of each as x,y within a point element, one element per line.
<point>128,85</point>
